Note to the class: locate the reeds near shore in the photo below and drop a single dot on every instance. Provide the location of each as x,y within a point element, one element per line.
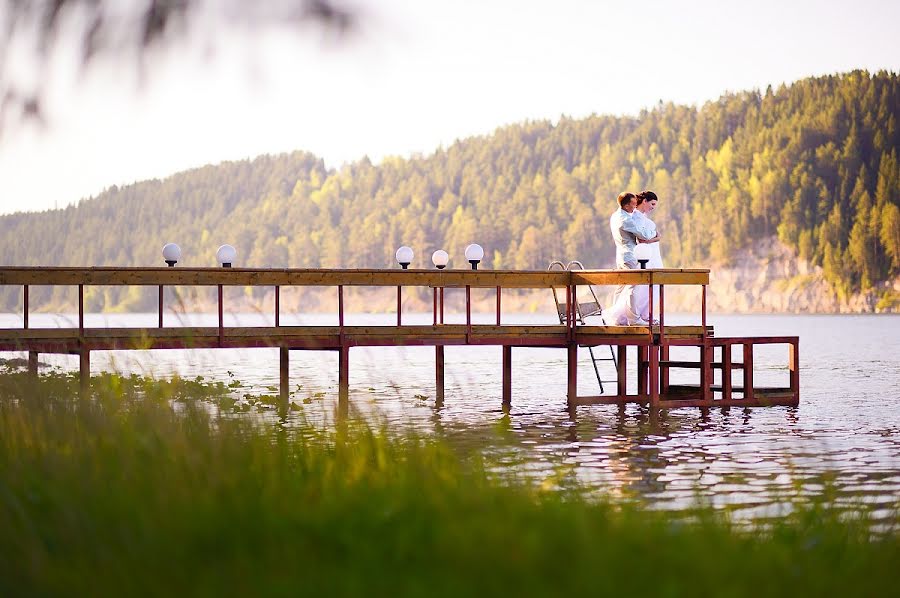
<point>145,490</point>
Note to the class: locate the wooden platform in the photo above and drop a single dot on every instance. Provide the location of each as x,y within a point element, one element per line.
<point>652,344</point>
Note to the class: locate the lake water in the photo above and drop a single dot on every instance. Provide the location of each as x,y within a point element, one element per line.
<point>844,436</point>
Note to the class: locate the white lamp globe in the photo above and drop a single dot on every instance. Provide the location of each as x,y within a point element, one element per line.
<point>171,253</point>
<point>474,252</point>
<point>404,256</point>
<point>642,253</point>
<point>225,255</point>
<point>440,258</point>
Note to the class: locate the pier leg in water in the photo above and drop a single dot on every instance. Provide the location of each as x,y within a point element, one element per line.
<point>33,365</point>
<point>572,386</point>
<point>654,376</point>
<point>439,376</point>
<point>344,381</point>
<point>507,377</point>
<point>283,403</point>
<point>621,372</point>
<point>84,373</point>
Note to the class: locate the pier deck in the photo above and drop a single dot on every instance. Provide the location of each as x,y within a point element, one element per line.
<point>652,343</point>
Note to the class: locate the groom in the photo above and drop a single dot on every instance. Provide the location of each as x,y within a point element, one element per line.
<point>626,233</point>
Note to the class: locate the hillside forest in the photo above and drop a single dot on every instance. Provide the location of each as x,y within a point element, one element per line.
<point>814,163</point>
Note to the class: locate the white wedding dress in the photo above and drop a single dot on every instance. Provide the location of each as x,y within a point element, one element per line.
<point>617,315</point>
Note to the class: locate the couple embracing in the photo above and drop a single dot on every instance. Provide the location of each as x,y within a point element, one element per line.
<point>631,225</point>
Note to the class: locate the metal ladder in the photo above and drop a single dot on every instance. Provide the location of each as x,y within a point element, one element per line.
<point>590,308</point>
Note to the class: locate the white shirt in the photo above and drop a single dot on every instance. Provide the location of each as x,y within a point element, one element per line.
<point>625,232</point>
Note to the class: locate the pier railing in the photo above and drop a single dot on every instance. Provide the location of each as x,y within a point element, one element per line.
<point>649,340</point>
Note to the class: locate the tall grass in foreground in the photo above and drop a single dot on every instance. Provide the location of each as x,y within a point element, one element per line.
<point>141,491</point>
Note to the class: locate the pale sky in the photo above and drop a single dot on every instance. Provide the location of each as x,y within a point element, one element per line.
<point>418,76</point>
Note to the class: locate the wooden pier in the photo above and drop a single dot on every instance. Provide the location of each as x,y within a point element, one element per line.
<point>652,343</point>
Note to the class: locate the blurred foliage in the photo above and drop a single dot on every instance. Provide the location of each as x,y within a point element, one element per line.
<point>815,163</point>
<point>154,493</point>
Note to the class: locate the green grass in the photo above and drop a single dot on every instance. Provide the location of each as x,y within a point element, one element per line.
<point>141,491</point>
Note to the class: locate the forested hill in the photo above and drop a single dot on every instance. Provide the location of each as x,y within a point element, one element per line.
<point>815,162</point>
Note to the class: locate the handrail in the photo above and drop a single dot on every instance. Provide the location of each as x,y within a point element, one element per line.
<point>113,276</point>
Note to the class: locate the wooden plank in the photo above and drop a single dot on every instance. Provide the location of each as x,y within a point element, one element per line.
<point>648,276</point>
<point>43,275</point>
<point>281,277</point>
<point>696,365</point>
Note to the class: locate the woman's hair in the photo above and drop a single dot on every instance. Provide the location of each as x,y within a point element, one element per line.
<point>625,198</point>
<point>646,196</point>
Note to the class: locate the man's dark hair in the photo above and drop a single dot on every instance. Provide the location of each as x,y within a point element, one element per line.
<point>625,198</point>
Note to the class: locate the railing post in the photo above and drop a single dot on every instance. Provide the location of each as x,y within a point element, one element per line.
<point>748,371</point>
<point>81,310</point>
<point>25,315</point>
<point>726,372</point>
<point>468,314</point>
<point>442,306</point>
<point>160,303</point>
<point>221,320</point>
<point>498,306</point>
<point>277,306</point>
<point>399,305</point>
<point>434,307</point>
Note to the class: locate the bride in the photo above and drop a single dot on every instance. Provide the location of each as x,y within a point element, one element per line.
<point>646,203</point>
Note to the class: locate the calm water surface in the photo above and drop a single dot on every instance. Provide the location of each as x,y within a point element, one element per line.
<point>845,435</point>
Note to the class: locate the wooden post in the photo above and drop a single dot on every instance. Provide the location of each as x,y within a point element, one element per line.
<point>221,320</point>
<point>434,309</point>
<point>468,313</point>
<point>507,376</point>
<point>25,315</point>
<point>654,376</point>
<point>498,306</point>
<point>663,369</point>
<point>277,306</point>
<point>284,355</point>
<point>706,377</point>
<point>32,364</point>
<point>703,308</point>
<point>441,321</point>
<point>160,303</point>
<point>344,379</point>
<point>748,371</point>
<point>572,386</point>
<point>643,353</point>
<point>662,317</point>
<point>84,372</point>
<point>399,305</point>
<point>621,373</point>
<point>439,376</point>
<point>81,310</point>
<point>794,366</point>
<point>726,372</point>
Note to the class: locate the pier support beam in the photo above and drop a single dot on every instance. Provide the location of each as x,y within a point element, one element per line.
<point>33,364</point>
<point>795,369</point>
<point>507,377</point>
<point>643,356</point>
<point>572,386</point>
<point>284,363</point>
<point>84,373</point>
<point>344,380</point>
<point>726,372</point>
<point>621,372</point>
<point>748,371</point>
<point>439,376</point>
<point>654,376</point>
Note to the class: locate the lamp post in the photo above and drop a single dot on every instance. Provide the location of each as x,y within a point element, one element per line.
<point>171,253</point>
<point>404,256</point>
<point>474,254</point>
<point>225,255</point>
<point>440,258</point>
<point>642,254</point>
